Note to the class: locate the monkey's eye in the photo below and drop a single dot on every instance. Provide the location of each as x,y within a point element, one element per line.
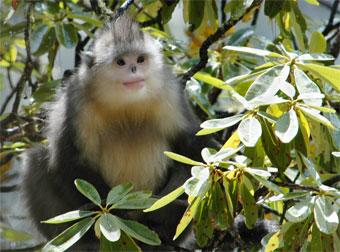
<point>120,62</point>
<point>140,59</point>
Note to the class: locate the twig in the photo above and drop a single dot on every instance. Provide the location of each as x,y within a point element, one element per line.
<point>330,25</point>
<point>203,53</point>
<point>28,64</point>
<point>295,186</point>
<point>332,180</point>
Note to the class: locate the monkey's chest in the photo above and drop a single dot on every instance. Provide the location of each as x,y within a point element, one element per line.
<point>140,161</point>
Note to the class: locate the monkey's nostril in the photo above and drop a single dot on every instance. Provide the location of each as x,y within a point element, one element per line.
<point>133,69</point>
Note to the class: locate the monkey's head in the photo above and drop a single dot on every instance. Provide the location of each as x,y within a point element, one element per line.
<point>126,65</point>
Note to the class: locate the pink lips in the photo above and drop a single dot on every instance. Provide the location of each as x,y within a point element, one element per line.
<point>136,84</point>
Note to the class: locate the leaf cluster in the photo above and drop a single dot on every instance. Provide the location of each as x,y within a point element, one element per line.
<point>115,233</point>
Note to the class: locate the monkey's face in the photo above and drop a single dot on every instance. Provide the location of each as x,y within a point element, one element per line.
<point>131,71</point>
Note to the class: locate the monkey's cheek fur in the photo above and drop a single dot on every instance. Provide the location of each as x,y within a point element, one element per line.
<point>134,85</point>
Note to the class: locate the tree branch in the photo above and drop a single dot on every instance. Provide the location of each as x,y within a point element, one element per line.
<point>203,53</point>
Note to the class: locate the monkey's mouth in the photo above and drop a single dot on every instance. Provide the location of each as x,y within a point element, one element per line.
<point>135,84</point>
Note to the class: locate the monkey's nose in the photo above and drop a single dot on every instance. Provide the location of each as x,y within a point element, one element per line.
<point>133,69</point>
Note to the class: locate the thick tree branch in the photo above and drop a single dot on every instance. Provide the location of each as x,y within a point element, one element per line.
<point>203,53</point>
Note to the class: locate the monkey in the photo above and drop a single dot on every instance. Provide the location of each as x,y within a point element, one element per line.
<point>117,114</point>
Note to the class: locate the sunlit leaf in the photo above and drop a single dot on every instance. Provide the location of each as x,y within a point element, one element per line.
<point>207,78</point>
<point>222,123</point>
<point>254,51</point>
<point>69,237</point>
<point>317,117</point>
<point>250,131</point>
<point>69,216</point>
<point>182,159</point>
<point>268,83</point>
<point>109,227</point>
<point>187,217</point>
<point>305,85</point>
<point>287,126</point>
<point>166,199</point>
<point>300,211</point>
<point>325,216</point>
<point>198,184</point>
<point>328,74</point>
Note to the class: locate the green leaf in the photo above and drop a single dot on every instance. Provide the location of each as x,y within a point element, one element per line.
<point>166,199</point>
<point>109,227</point>
<point>321,241</point>
<point>258,52</point>
<point>43,39</point>
<point>249,131</point>
<point>66,34</point>
<point>298,24</point>
<point>199,183</point>
<point>85,16</point>
<point>300,211</point>
<point>325,215</point>
<point>207,78</point>
<point>221,123</point>
<point>328,74</point>
<point>70,216</point>
<point>182,159</point>
<point>69,237</point>
<point>11,235</point>
<point>46,92</point>
<point>201,225</point>
<point>167,10</point>
<point>125,243</point>
<point>204,132</point>
<point>317,117</point>
<point>312,170</point>
<point>238,7</point>
<point>270,185</point>
<point>88,191</point>
<point>249,206</point>
<point>305,85</point>
<point>118,192</point>
<point>217,205</point>
<point>272,8</point>
<point>134,204</point>
<point>196,13</point>
<point>138,231</point>
<point>287,126</point>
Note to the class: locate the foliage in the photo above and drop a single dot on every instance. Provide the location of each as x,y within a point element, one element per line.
<point>115,233</point>
<point>273,106</point>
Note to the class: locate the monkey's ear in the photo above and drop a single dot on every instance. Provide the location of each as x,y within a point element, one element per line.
<point>88,58</point>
